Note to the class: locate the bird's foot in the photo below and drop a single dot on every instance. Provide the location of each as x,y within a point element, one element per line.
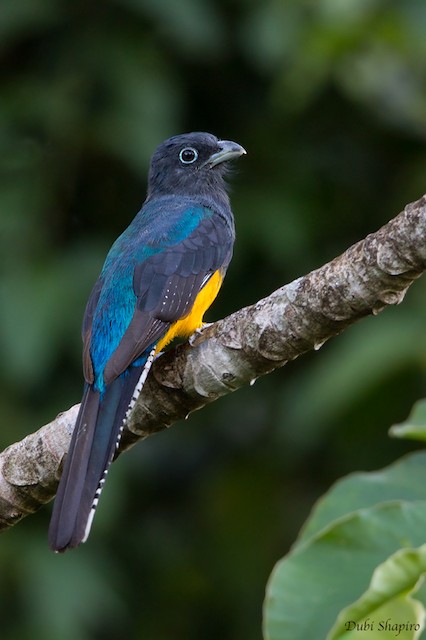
<point>192,339</point>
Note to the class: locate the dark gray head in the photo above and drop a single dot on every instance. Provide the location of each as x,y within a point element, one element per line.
<point>191,164</point>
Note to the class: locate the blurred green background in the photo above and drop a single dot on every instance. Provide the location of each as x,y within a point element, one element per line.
<point>329,99</point>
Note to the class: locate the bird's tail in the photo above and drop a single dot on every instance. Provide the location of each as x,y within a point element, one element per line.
<point>94,441</point>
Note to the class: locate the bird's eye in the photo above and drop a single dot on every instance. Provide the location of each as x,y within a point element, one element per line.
<point>188,155</point>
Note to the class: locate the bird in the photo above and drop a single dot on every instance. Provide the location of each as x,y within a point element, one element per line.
<point>159,278</point>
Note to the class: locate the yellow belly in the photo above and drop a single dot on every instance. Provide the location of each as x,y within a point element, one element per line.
<point>194,319</point>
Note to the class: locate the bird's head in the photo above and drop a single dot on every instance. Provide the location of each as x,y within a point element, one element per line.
<point>191,164</point>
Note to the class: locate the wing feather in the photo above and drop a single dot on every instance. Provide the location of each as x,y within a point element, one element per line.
<point>87,330</point>
<point>166,286</point>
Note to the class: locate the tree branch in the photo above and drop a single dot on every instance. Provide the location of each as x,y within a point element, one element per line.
<point>298,317</point>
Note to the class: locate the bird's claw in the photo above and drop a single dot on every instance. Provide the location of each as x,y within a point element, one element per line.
<point>192,338</point>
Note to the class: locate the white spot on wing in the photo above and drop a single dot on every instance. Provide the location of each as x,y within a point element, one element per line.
<point>205,279</point>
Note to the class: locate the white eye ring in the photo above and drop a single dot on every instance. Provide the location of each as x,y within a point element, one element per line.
<point>190,153</point>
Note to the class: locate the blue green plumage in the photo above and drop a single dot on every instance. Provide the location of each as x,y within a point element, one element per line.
<point>161,224</point>
<point>152,275</point>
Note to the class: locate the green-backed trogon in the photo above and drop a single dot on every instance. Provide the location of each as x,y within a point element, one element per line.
<point>159,278</point>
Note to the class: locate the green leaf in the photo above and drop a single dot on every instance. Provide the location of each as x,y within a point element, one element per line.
<point>384,625</point>
<point>402,480</point>
<point>387,601</point>
<point>414,428</point>
<point>310,586</point>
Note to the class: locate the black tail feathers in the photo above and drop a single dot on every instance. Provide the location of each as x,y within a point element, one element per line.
<point>93,444</point>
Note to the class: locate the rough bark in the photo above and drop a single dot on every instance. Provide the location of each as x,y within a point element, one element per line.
<point>300,316</point>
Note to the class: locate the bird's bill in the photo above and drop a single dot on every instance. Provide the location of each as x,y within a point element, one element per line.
<point>228,151</point>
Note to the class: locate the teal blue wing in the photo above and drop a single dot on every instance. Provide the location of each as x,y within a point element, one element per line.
<point>166,286</point>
